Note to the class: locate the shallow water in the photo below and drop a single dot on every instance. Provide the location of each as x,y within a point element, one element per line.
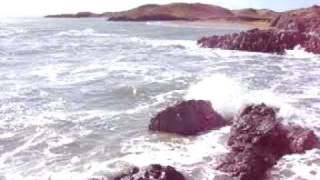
<point>77,96</point>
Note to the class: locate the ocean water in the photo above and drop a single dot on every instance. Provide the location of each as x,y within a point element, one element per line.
<point>77,95</point>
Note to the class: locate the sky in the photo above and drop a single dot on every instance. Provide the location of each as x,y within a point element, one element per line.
<point>21,8</point>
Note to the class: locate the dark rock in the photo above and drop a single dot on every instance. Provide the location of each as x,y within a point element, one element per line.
<point>300,139</point>
<point>187,118</point>
<point>244,165</point>
<point>258,140</point>
<point>152,172</point>
<point>268,41</point>
<point>258,129</point>
<point>312,44</point>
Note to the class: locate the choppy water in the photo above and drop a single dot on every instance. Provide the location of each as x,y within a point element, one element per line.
<point>76,97</point>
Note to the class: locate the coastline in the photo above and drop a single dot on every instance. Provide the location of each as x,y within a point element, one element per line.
<point>219,23</point>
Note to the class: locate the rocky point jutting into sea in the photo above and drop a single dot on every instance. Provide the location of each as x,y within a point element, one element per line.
<point>288,30</point>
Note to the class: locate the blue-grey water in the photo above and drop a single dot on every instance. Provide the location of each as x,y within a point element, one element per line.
<point>76,97</point>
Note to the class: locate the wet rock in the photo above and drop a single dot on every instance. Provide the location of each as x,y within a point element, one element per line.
<point>258,140</point>
<point>312,44</point>
<point>300,139</point>
<point>268,41</point>
<point>244,165</point>
<point>258,129</point>
<point>152,172</point>
<point>187,118</point>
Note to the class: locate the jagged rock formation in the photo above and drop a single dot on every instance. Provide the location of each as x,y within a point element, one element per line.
<point>187,118</point>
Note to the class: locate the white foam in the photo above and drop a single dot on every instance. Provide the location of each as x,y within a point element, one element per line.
<point>9,31</point>
<point>228,95</point>
<point>164,42</point>
<point>178,151</point>
<point>291,167</point>
<point>299,52</point>
<point>84,32</point>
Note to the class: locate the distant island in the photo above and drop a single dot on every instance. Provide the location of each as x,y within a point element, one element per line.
<point>191,12</point>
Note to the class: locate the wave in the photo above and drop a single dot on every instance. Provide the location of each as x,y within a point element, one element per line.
<point>228,95</point>
<point>292,167</point>
<point>182,152</point>
<point>299,52</point>
<point>85,32</point>
<point>156,43</point>
<point>7,32</point>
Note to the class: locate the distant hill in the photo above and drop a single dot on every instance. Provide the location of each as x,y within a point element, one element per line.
<point>250,13</point>
<point>80,15</point>
<point>305,19</point>
<point>174,11</point>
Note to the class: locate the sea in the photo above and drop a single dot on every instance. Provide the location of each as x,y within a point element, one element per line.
<point>77,95</point>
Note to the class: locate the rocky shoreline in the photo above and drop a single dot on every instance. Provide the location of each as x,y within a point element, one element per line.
<point>288,30</point>
<point>257,139</point>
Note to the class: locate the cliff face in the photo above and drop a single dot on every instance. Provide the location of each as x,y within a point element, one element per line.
<point>175,11</point>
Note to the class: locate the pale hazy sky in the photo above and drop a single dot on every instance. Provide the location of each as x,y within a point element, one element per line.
<point>44,7</point>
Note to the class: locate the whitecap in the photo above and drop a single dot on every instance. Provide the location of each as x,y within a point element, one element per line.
<point>171,150</point>
<point>84,32</point>
<point>228,95</point>
<point>299,52</point>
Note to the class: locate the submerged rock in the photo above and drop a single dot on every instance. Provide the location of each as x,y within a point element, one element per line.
<point>152,172</point>
<point>258,140</point>
<point>187,118</point>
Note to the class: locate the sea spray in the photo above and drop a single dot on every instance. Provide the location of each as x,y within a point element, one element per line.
<point>228,95</point>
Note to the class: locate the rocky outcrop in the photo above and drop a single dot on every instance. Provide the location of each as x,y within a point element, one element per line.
<point>268,41</point>
<point>303,20</point>
<point>258,140</point>
<point>187,118</point>
<point>152,172</point>
<point>288,30</point>
<point>300,139</point>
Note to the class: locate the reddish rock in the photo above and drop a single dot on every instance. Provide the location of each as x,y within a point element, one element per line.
<point>187,118</point>
<point>258,140</point>
<point>257,128</point>
<point>301,139</point>
<point>268,41</point>
<point>244,165</point>
<point>152,172</point>
<point>302,20</point>
<point>312,44</point>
